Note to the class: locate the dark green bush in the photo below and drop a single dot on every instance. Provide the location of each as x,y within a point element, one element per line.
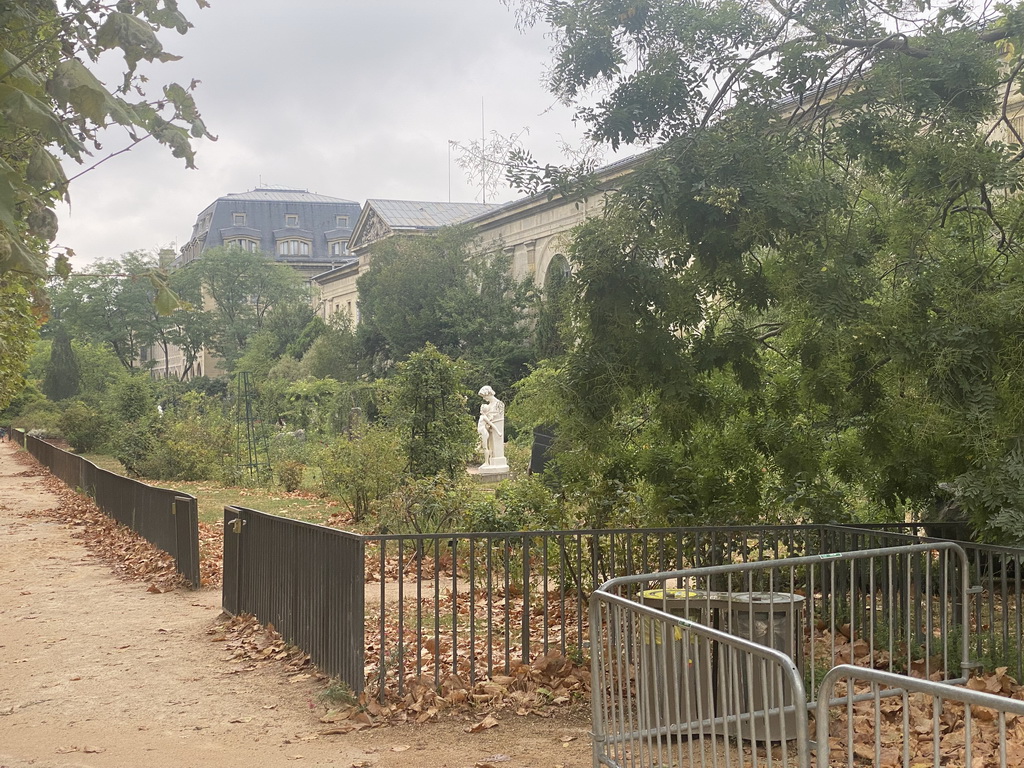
<point>85,428</point>
<point>134,446</point>
<point>363,468</point>
<point>289,474</point>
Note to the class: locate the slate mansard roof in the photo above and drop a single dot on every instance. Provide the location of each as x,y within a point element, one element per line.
<point>270,215</point>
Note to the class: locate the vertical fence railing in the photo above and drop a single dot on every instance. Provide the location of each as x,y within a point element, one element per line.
<point>305,579</point>
<point>676,691</point>
<point>166,518</point>
<point>995,571</point>
<point>887,719</point>
<point>476,604</point>
<point>901,609</point>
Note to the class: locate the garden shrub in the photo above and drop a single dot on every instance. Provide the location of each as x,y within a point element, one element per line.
<point>133,398</point>
<point>426,403</point>
<point>39,416</point>
<point>289,474</point>
<point>485,514</point>
<point>528,504</point>
<point>85,428</point>
<point>133,445</point>
<point>363,468</point>
<point>189,442</point>
<point>436,504</point>
<point>290,446</point>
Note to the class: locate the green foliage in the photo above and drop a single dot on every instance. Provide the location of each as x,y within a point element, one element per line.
<point>114,305</point>
<point>54,106</point>
<point>525,504</point>
<point>246,290</point>
<point>335,352</point>
<point>86,429</point>
<point>806,311</point>
<point>435,504</point>
<point>289,474</point>
<point>133,399</point>
<point>311,403</point>
<point>651,63</point>
<point>188,442</point>
<point>99,372</point>
<point>551,314</point>
<point>133,445</point>
<point>63,375</point>
<point>426,404</point>
<point>39,415</point>
<point>362,468</point>
<point>435,289</point>
<point>17,332</point>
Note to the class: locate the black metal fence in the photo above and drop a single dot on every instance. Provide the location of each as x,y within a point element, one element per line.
<point>383,610</point>
<point>305,579</point>
<point>168,519</point>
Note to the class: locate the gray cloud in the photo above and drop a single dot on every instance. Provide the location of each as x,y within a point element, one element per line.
<point>350,99</point>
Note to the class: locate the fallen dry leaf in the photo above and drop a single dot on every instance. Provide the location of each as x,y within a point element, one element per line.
<point>483,725</point>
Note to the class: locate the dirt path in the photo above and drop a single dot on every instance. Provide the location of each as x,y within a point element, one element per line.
<point>97,672</point>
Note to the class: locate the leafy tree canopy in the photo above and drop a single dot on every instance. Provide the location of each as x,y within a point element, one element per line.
<point>435,289</point>
<point>803,302</point>
<point>54,107</point>
<point>112,304</point>
<point>241,291</point>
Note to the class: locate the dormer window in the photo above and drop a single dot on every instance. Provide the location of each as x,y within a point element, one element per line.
<point>238,219</point>
<point>245,243</point>
<point>341,222</point>
<point>293,247</point>
<point>291,219</point>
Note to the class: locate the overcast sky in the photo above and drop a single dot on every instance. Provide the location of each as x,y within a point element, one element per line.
<point>352,99</point>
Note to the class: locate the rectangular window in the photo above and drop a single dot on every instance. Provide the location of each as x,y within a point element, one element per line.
<point>342,221</point>
<point>238,219</point>
<point>291,219</point>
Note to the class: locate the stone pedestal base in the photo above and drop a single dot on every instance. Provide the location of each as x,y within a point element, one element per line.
<point>490,473</point>
<point>497,467</point>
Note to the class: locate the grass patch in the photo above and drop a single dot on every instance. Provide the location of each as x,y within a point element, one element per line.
<point>213,497</point>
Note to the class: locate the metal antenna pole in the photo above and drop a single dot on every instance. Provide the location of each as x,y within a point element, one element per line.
<point>483,155</point>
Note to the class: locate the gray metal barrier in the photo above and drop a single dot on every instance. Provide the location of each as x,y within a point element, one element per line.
<point>669,691</point>
<point>914,722</point>
<point>686,664</point>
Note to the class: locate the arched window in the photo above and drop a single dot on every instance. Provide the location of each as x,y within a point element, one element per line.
<point>558,270</point>
<point>293,247</point>
<point>245,243</point>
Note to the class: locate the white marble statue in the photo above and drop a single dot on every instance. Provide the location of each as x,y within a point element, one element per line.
<point>491,428</point>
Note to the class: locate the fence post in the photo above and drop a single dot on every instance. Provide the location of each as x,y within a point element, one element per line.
<point>186,536</point>
<point>231,597</point>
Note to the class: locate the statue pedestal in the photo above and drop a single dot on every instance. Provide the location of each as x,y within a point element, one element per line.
<point>498,467</point>
<point>490,473</point>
